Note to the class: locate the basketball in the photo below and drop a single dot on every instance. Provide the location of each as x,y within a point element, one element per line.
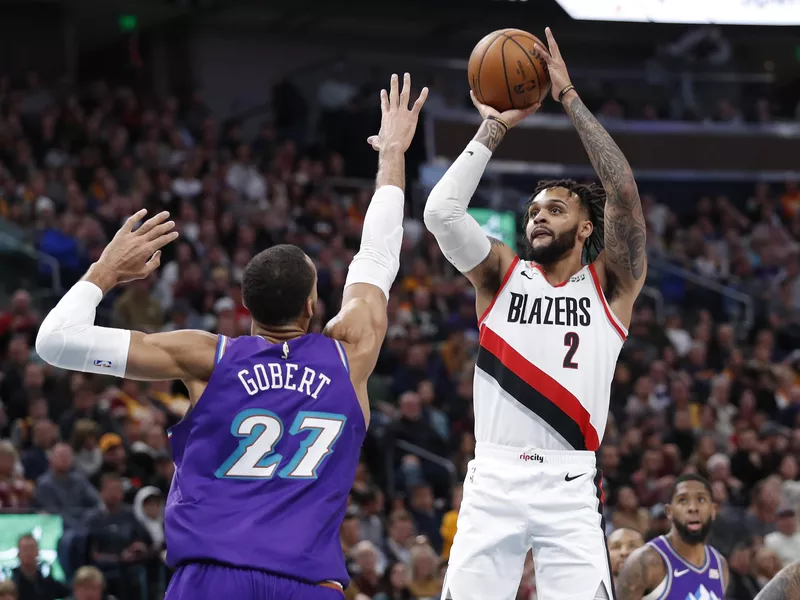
<point>505,71</point>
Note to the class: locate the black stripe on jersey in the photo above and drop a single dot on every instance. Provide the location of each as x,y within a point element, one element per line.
<point>598,484</point>
<point>532,399</point>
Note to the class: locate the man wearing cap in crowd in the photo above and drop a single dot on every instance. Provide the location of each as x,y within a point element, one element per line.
<point>786,540</point>
<point>115,460</point>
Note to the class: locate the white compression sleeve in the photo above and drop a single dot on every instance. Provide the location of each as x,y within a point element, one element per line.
<point>378,260</point>
<point>460,238</point>
<point>69,339</point>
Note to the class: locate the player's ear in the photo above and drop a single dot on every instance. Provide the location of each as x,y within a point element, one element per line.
<point>586,230</point>
<point>310,307</point>
<point>668,511</point>
<point>713,510</point>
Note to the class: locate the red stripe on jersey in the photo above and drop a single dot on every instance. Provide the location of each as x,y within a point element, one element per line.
<point>602,296</point>
<point>503,283</point>
<point>542,383</point>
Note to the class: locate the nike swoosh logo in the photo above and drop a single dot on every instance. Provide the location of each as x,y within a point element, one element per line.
<point>568,478</point>
<point>681,573</point>
<point>470,152</point>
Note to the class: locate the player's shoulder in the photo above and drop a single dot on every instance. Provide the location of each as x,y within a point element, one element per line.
<point>646,565</point>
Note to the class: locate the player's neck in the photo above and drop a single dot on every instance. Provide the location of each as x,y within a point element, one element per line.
<point>279,334</point>
<point>560,271</point>
<point>694,554</point>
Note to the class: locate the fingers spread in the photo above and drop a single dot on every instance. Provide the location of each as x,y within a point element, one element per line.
<point>160,230</point>
<point>151,223</point>
<point>384,102</point>
<point>406,92</point>
<point>163,240</point>
<point>131,221</point>
<point>394,96</point>
<point>423,95</point>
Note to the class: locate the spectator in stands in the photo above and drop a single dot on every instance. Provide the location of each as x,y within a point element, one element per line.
<point>15,491</point>
<point>401,537</point>
<point>35,460</point>
<point>395,583</point>
<point>426,583</point>
<point>426,518</point>
<point>8,591</point>
<point>785,541</point>
<point>62,491</point>
<point>450,520</point>
<point>761,517</point>
<point>28,578</point>
<point>87,456</point>
<point>628,514</point>
<point>117,541</point>
<point>743,585</point>
<point>765,566</point>
<point>84,406</point>
<point>367,576</point>
<point>89,584</point>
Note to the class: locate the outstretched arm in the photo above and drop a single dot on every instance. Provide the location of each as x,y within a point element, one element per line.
<point>69,339</point>
<point>643,571</point>
<point>462,241</point>
<point>361,323</point>
<point>624,237</point>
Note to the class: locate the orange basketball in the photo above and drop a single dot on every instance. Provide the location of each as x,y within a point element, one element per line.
<point>505,71</point>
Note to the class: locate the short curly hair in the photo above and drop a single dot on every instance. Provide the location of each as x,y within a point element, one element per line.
<point>593,199</point>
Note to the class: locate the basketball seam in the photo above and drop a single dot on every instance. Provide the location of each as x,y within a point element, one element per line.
<point>505,71</point>
<point>530,60</point>
<point>480,67</point>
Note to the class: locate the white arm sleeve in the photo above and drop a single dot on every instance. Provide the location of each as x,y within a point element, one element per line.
<point>378,259</point>
<point>460,238</point>
<point>69,339</point>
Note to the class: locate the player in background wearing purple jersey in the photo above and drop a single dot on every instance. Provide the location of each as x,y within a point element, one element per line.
<point>679,565</point>
<point>267,454</point>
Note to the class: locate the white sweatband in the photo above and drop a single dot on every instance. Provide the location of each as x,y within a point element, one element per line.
<point>378,260</point>
<point>458,234</point>
<point>69,339</point>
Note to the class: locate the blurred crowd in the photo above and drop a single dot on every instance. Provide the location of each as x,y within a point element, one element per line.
<point>700,392</point>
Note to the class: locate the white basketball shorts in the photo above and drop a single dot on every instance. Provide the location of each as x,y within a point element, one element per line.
<point>520,499</point>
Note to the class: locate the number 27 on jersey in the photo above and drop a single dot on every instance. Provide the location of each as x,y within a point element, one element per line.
<point>261,431</point>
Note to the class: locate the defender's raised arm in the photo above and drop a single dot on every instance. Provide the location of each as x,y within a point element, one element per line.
<point>361,323</point>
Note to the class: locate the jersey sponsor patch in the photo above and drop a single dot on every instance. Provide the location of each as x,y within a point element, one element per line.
<point>713,573</point>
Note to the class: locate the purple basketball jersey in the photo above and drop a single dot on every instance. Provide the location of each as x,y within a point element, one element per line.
<point>265,461</point>
<point>684,581</point>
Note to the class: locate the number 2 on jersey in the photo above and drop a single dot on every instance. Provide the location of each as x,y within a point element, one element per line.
<point>571,341</point>
<point>262,430</point>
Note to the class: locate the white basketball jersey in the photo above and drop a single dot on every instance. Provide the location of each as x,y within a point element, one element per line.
<point>546,361</point>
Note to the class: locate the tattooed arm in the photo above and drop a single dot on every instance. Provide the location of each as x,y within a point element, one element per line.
<point>623,263</point>
<point>784,586</point>
<point>644,569</point>
<point>624,236</point>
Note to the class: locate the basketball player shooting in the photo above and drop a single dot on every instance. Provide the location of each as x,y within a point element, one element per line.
<point>679,565</point>
<point>551,330</point>
<point>266,456</point>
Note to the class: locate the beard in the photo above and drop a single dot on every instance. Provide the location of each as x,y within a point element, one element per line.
<point>560,245</point>
<point>692,537</point>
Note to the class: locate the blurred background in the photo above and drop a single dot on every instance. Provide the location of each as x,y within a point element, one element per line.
<point>248,120</point>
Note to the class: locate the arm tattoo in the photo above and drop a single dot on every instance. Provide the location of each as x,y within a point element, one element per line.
<point>490,134</point>
<point>784,586</point>
<point>624,236</point>
<point>636,578</point>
